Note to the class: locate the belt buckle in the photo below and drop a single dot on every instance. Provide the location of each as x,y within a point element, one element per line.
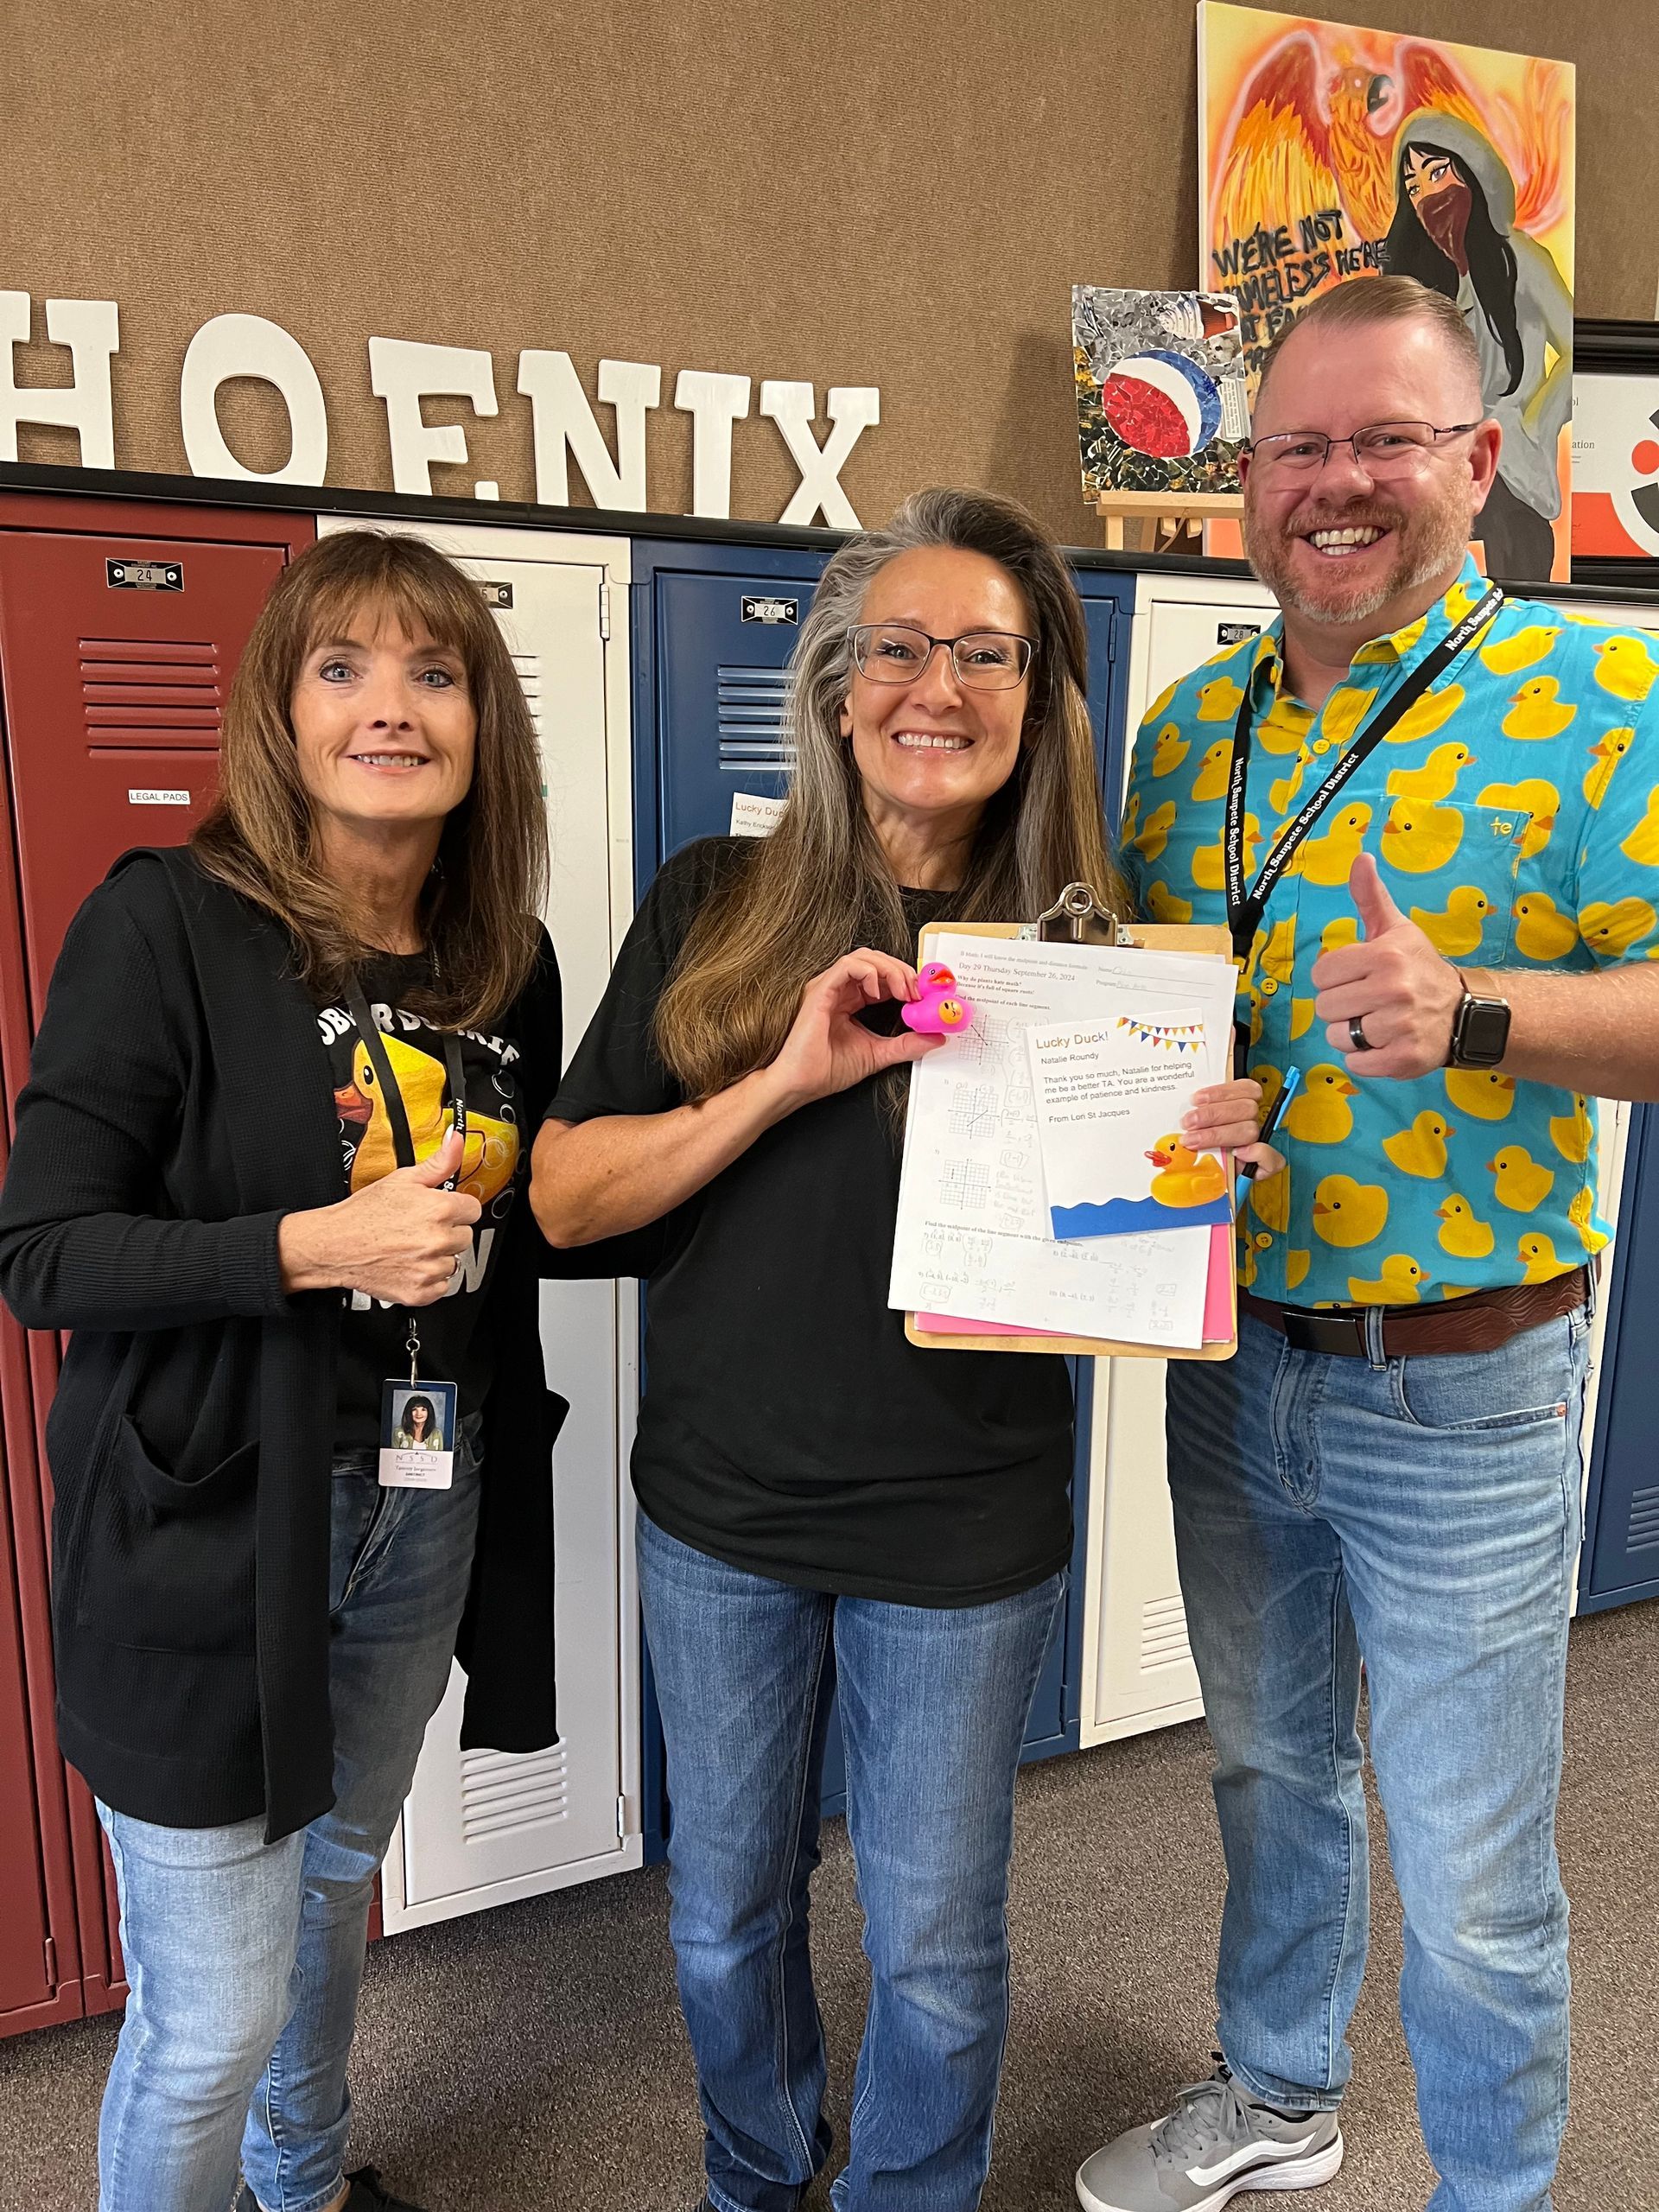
<point>1341,1334</point>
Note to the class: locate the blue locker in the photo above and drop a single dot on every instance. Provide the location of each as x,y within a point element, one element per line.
<point>1621,1537</point>
<point>714,627</point>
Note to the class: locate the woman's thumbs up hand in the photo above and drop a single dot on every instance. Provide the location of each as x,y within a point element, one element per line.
<point>397,1240</point>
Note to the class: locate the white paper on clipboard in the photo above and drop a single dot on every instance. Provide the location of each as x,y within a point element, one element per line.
<point>972,1237</point>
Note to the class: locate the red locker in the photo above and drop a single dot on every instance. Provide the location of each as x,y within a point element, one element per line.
<point>120,623</point>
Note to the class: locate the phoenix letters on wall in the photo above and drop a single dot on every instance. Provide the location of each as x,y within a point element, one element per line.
<point>1328,151</point>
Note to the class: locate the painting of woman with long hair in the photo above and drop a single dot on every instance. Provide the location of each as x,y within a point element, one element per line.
<point>1454,229</point>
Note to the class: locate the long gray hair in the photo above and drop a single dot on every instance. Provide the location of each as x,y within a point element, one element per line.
<point>820,885</point>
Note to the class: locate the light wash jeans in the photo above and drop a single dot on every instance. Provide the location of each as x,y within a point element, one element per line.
<point>933,1708</point>
<point>244,1958</point>
<point>1423,1513</point>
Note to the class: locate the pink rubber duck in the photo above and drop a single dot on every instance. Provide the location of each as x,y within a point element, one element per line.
<point>941,1011</point>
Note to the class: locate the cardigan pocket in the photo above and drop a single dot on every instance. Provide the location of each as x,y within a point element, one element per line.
<point>170,1564</point>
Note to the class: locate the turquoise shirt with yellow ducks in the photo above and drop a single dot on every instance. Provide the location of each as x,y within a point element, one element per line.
<point>1514,813</point>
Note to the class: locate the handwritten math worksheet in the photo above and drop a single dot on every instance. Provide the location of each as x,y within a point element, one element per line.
<point>974,1237</point>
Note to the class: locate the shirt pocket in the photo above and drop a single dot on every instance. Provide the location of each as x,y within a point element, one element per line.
<point>1469,910</point>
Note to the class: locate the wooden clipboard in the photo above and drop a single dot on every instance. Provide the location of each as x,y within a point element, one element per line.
<point>1079,921</point>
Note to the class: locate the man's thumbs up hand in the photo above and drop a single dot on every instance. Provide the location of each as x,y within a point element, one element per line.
<point>1389,1000</point>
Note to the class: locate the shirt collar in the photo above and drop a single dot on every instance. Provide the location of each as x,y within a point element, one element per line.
<point>1401,649</point>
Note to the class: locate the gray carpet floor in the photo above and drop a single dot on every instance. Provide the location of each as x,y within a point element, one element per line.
<point>534,2057</point>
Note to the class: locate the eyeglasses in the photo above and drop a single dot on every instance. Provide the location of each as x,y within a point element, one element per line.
<point>985,660</point>
<point>1382,449</point>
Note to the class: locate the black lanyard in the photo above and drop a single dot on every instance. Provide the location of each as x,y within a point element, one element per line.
<point>374,1045</point>
<point>1244,911</point>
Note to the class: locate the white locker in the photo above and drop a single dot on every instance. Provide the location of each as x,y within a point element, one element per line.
<point>482,1827</point>
<point>1137,1668</point>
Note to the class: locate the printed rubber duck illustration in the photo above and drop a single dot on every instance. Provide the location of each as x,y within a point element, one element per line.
<point>1344,711</point>
<point>1436,779</point>
<point>1344,930</point>
<point>1277,955</point>
<point>1321,1115</point>
<point>1535,710</point>
<point>1419,839</point>
<point>1421,1150</point>
<point>1347,1213</point>
<point>1155,834</point>
<point>1540,801</point>
<point>1284,726</point>
<point>1219,700</point>
<point>1211,782</point>
<point>1398,1284</point>
<point>1524,650</point>
<point>1457,933</point>
<point>1521,1184</point>
<point>1642,846</point>
<point>1607,752</point>
<point>1625,667</point>
<point>1281,793</point>
<point>1542,931</point>
<point>1616,928</point>
<point>1465,1236</point>
<point>1579,1213</point>
<point>1296,1266</point>
<point>1208,866</point>
<point>1301,1018</point>
<point>1250,1249</point>
<point>491,1148</point>
<point>1480,1091</point>
<point>1170,750</point>
<point>1185,1179</point>
<point>1431,712</point>
<point>1572,1133</point>
<point>1163,907</point>
<point>1536,1249</point>
<point>941,1011</point>
<point>1461,600</point>
<point>1328,861</point>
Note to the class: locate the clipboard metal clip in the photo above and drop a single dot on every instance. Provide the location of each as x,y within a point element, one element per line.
<point>1077,917</point>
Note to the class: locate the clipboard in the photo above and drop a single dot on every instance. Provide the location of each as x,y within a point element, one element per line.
<point>1077,917</point>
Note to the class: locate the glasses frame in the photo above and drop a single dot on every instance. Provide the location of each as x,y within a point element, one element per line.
<point>1452,430</point>
<point>863,630</point>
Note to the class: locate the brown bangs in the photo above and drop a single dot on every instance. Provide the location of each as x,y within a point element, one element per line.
<point>479,911</point>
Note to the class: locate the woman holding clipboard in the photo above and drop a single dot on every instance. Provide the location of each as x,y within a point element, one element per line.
<point>823,1505</point>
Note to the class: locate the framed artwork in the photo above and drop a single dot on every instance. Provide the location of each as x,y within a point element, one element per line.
<point>1328,151</point>
<point>1616,442</point>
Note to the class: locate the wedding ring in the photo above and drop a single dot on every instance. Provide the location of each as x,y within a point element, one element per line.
<point>1356,1036</point>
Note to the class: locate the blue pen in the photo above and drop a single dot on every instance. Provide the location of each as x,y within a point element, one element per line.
<point>1265,1134</point>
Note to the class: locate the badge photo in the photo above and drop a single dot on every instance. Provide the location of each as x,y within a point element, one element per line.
<point>417,1434</point>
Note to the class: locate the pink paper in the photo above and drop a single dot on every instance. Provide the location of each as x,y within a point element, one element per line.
<point>1218,1302</point>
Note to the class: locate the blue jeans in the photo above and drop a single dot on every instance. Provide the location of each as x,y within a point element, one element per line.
<point>933,1709</point>
<point>244,1958</point>
<point>1422,1513</point>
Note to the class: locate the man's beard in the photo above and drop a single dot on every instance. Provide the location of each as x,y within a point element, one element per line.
<point>1427,540</point>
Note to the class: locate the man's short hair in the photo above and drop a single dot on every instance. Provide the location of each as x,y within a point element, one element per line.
<point>1366,302</point>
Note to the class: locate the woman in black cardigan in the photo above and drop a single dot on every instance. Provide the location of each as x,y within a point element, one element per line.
<point>255,1202</point>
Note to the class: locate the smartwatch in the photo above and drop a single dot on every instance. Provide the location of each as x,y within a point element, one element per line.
<point>1480,1032</point>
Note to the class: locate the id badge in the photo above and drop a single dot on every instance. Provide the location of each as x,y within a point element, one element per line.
<point>417,1434</point>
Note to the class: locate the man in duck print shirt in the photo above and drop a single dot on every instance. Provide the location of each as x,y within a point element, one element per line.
<point>1457,952</point>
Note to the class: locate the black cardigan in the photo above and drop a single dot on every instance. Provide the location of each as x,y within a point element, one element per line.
<point>179,1105</point>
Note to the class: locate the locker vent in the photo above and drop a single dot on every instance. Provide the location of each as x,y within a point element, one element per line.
<point>753,702</point>
<point>1163,1634</point>
<point>144,691</point>
<point>503,1790</point>
<point>529,666</point>
<point>1644,1520</point>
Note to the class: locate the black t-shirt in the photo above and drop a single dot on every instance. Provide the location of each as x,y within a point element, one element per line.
<point>372,1338</point>
<point>788,1427</point>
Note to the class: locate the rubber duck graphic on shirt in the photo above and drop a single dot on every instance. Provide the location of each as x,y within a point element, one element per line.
<point>490,1148</point>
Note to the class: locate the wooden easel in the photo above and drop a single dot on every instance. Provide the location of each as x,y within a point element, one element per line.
<point>1151,512</point>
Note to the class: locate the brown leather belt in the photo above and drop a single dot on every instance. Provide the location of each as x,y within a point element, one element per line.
<point>1480,1322</point>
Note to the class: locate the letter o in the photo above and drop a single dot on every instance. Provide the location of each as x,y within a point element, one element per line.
<point>248,346</point>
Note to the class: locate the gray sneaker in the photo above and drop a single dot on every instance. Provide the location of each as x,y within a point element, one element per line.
<point>1216,2144</point>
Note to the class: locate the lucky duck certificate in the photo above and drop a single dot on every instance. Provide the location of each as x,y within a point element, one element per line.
<point>1110,1095</point>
